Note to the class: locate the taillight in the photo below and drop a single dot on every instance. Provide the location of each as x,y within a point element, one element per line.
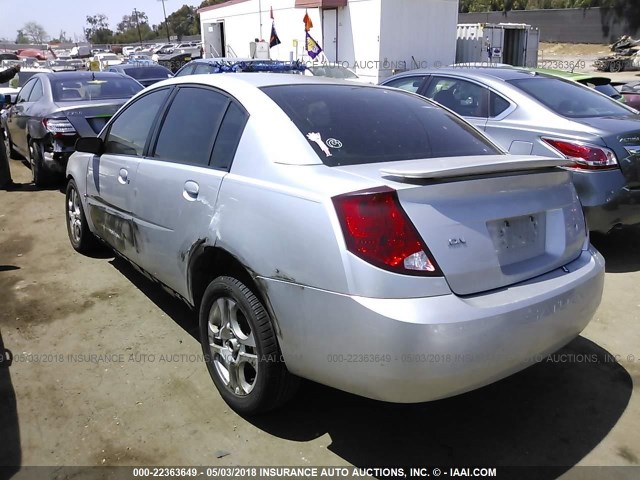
<point>584,155</point>
<point>58,126</point>
<point>377,229</point>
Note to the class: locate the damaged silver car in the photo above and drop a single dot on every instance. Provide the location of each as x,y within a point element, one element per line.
<point>357,236</point>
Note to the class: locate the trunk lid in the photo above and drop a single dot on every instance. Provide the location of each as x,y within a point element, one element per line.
<point>489,221</point>
<point>88,118</point>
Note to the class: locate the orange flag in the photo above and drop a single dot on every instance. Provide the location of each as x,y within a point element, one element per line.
<point>308,24</point>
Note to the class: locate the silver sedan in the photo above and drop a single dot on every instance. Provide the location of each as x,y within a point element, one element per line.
<point>353,235</point>
<point>532,113</point>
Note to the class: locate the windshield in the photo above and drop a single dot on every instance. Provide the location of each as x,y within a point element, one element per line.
<point>351,125</point>
<point>85,88</point>
<point>568,99</point>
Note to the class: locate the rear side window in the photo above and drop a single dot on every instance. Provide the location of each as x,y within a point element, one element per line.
<point>190,126</point>
<point>497,104</point>
<point>129,131</point>
<point>465,98</point>
<point>23,95</point>
<point>568,98</point>
<point>37,92</point>
<point>350,125</point>
<point>228,137</point>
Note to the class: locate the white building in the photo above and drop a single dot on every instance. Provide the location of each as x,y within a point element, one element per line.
<point>373,37</point>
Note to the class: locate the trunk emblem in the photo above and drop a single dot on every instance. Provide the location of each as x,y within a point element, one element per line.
<point>457,242</point>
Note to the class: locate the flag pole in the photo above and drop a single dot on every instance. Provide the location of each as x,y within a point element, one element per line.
<point>260,15</point>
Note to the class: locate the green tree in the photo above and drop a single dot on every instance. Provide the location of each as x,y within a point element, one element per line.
<point>97,29</point>
<point>182,22</point>
<point>35,33</point>
<point>21,39</point>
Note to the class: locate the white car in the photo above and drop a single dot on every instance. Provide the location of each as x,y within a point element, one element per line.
<point>107,60</point>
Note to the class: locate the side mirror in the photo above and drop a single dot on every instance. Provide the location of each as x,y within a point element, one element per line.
<point>93,145</point>
<point>8,100</point>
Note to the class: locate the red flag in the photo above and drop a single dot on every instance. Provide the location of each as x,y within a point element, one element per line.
<point>271,13</point>
<point>308,24</point>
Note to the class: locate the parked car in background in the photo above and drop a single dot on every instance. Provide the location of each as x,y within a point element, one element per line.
<point>631,93</point>
<point>128,50</point>
<point>531,113</point>
<point>53,109</point>
<point>145,74</point>
<point>389,230</point>
<point>140,60</point>
<point>80,51</point>
<point>107,60</point>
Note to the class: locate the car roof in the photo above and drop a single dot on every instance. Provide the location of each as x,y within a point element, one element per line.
<point>475,72</point>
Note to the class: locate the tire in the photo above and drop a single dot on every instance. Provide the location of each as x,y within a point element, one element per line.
<point>39,173</point>
<point>81,238</point>
<point>11,153</point>
<point>241,349</point>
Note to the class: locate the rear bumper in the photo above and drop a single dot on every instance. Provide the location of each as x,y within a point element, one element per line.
<point>606,200</point>
<point>420,349</point>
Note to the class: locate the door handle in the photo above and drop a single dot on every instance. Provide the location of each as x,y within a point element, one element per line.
<point>123,176</point>
<point>191,190</point>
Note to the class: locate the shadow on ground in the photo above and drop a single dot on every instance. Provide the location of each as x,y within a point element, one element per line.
<point>10,451</point>
<point>551,414</point>
<point>177,310</point>
<point>620,248</point>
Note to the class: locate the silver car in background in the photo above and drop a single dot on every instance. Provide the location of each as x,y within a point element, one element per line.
<point>357,236</point>
<point>533,113</point>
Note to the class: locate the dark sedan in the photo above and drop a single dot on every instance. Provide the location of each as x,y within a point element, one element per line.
<point>145,74</point>
<point>53,109</point>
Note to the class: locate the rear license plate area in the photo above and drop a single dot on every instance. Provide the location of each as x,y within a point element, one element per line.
<point>517,239</point>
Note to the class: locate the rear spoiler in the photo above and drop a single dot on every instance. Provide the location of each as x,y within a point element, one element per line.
<point>434,168</point>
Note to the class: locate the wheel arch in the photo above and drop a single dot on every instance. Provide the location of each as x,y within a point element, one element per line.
<point>208,262</point>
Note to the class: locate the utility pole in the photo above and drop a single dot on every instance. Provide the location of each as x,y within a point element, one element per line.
<point>138,25</point>
<point>165,19</point>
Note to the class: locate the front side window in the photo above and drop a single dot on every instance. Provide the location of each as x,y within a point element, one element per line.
<point>190,126</point>
<point>129,131</point>
<point>350,125</point>
<point>467,99</point>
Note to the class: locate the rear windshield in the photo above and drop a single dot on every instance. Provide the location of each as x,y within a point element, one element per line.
<point>144,73</point>
<point>351,125</point>
<point>569,100</point>
<point>100,88</point>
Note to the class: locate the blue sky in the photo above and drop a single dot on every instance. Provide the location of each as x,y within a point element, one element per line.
<point>70,15</point>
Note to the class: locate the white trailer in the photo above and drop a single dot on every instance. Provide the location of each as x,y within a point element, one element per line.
<point>375,38</point>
